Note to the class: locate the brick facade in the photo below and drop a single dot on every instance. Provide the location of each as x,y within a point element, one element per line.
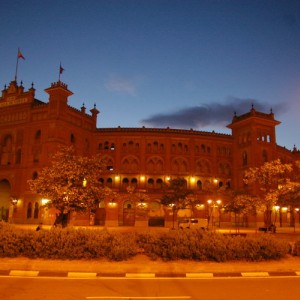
<point>144,158</point>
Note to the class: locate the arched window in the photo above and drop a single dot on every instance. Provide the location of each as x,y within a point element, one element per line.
<point>265,156</point>
<point>106,145</point>
<point>36,211</point>
<point>199,185</point>
<point>148,148</point>
<point>72,138</point>
<point>159,183</point>
<point>6,155</point>
<point>134,182</point>
<point>29,210</point>
<point>86,145</point>
<point>38,135</point>
<point>18,156</point>
<point>150,183</point>
<point>173,148</point>
<point>125,182</point>
<point>109,182</point>
<point>128,204</point>
<point>245,158</point>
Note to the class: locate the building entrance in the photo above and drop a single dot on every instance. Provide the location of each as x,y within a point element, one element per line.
<point>4,200</point>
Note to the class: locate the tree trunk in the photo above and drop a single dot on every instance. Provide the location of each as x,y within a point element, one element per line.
<point>268,217</point>
<point>62,219</point>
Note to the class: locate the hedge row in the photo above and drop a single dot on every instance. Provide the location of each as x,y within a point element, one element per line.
<point>199,245</point>
<point>70,243</point>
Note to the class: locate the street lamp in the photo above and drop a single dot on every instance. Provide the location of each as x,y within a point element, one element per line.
<point>141,204</point>
<point>212,205</point>
<point>112,203</point>
<point>14,200</point>
<point>297,209</point>
<point>173,206</point>
<point>276,212</point>
<point>12,208</point>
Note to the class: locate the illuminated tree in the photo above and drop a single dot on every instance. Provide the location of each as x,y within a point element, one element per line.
<point>71,183</point>
<point>176,196</point>
<point>289,194</point>
<point>240,204</point>
<point>267,181</point>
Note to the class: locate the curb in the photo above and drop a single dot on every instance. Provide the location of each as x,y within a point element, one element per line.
<point>93,275</point>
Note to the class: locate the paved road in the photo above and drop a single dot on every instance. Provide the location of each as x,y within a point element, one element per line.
<point>17,288</point>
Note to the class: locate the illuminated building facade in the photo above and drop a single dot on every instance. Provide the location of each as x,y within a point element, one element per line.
<point>140,160</point>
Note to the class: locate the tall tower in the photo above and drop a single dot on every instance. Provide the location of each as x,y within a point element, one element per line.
<point>254,138</point>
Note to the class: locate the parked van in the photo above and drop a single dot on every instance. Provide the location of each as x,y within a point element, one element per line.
<point>190,223</point>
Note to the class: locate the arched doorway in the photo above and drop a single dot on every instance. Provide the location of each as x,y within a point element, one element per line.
<point>100,214</point>
<point>128,213</point>
<point>156,215</point>
<point>4,200</point>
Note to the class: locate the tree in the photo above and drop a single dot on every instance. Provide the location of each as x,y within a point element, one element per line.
<point>141,202</point>
<point>176,196</point>
<point>71,183</point>
<point>240,204</point>
<point>267,179</point>
<point>217,194</point>
<point>289,194</point>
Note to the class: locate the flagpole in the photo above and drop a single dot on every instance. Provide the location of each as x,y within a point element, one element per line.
<point>17,64</point>
<point>61,69</point>
<point>59,72</point>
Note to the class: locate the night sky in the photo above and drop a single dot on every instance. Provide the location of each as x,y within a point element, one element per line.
<point>161,63</point>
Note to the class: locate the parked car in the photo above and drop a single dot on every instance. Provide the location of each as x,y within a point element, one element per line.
<point>190,223</point>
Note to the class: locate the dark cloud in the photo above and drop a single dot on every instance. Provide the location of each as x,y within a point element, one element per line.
<point>213,114</point>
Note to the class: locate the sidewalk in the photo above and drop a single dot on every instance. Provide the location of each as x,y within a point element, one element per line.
<point>143,265</point>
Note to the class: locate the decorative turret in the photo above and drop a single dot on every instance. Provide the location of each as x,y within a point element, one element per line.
<point>58,97</point>
<point>264,125</point>
<point>83,109</point>
<point>94,112</point>
<point>14,94</point>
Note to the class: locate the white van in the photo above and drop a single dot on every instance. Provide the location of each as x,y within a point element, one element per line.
<point>190,223</point>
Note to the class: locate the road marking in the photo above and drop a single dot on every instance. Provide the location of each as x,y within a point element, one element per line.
<point>255,274</point>
<point>140,275</point>
<point>199,275</point>
<point>82,275</point>
<point>140,297</point>
<point>23,273</point>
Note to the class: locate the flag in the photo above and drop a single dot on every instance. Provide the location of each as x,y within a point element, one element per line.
<point>61,69</point>
<point>20,55</point>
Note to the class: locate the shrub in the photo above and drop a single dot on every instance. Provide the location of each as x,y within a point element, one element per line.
<point>71,243</point>
<point>198,245</point>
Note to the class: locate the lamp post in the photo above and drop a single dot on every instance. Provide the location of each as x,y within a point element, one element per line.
<point>173,207</point>
<point>276,212</point>
<point>297,210</point>
<point>212,205</point>
<point>12,208</point>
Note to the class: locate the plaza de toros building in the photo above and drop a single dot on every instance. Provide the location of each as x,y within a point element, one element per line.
<point>139,160</point>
